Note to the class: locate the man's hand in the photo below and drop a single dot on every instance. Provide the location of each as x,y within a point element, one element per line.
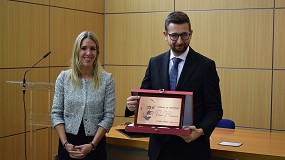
<point>194,133</point>
<point>132,102</point>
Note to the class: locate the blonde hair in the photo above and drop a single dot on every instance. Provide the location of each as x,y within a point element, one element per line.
<point>76,63</point>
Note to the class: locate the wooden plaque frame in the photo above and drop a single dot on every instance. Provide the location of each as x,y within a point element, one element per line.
<point>162,112</point>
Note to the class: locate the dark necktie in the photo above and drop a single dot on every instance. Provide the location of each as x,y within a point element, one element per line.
<point>174,73</point>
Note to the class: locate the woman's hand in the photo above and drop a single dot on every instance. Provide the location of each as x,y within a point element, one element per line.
<point>79,152</point>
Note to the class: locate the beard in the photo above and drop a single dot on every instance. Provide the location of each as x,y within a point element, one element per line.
<point>180,50</point>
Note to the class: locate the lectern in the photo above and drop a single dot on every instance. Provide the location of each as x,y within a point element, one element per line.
<point>39,96</point>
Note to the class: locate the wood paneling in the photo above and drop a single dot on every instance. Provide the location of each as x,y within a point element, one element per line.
<point>42,144</point>
<point>55,141</point>
<point>55,72</point>
<point>13,148</point>
<point>86,5</point>
<point>24,34</point>
<point>45,2</point>
<point>135,39</point>
<point>222,4</point>
<point>280,3</point>
<point>237,38</point>
<point>11,103</point>
<point>126,78</point>
<point>65,26</point>
<point>12,96</point>
<point>246,96</point>
<point>278,102</point>
<point>122,6</point>
<point>279,39</point>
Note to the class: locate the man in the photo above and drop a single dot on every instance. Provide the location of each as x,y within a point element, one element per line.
<point>197,74</point>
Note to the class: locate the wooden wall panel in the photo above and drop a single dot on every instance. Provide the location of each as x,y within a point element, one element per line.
<point>65,26</point>
<point>122,6</point>
<point>279,3</point>
<point>11,103</point>
<point>11,99</point>
<point>246,96</point>
<point>25,34</point>
<point>55,140</point>
<point>45,2</point>
<point>237,38</point>
<point>12,148</point>
<point>41,147</point>
<point>86,5</point>
<point>126,78</point>
<point>135,39</point>
<point>55,72</point>
<point>279,39</point>
<point>222,4</point>
<point>278,102</point>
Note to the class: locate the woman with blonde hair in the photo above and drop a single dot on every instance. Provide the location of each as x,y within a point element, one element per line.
<point>84,103</point>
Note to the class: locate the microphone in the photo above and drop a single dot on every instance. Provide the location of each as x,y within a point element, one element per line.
<point>24,79</point>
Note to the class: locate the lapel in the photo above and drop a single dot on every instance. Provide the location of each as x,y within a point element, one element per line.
<point>188,68</point>
<point>164,65</point>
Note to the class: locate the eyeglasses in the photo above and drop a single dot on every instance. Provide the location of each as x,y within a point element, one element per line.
<point>175,36</point>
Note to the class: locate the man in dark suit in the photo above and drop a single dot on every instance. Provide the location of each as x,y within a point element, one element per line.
<point>197,74</point>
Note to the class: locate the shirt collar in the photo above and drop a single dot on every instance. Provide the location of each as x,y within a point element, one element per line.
<point>182,56</point>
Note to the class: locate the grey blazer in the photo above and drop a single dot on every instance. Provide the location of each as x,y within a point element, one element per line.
<point>72,105</point>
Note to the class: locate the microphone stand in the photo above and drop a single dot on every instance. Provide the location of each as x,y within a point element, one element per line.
<point>24,101</point>
<point>24,79</point>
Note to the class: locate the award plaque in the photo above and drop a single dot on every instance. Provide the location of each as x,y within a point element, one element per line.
<point>162,112</point>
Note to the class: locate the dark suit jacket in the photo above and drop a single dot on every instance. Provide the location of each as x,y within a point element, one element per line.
<point>199,76</point>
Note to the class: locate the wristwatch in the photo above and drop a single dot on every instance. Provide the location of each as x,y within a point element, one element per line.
<point>65,144</point>
<point>93,146</point>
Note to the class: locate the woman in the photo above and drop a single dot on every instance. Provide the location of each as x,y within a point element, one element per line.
<point>84,103</point>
